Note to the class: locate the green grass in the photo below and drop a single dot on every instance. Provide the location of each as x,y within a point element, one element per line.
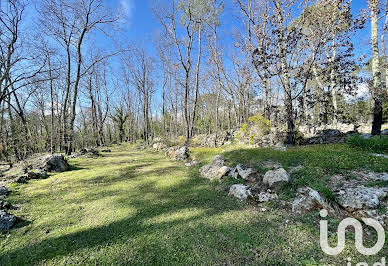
<point>137,207</point>
<point>373,144</point>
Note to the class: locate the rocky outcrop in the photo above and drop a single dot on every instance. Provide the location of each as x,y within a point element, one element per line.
<point>276,177</point>
<point>216,169</point>
<point>7,221</point>
<point>360,197</point>
<point>55,163</point>
<point>240,192</point>
<point>309,200</point>
<point>210,140</point>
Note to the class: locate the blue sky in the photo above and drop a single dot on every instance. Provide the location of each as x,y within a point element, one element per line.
<point>141,23</point>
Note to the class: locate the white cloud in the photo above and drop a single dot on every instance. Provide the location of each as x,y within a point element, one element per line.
<point>126,8</point>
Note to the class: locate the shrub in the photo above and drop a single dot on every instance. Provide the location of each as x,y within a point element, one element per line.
<point>373,144</point>
<point>256,128</point>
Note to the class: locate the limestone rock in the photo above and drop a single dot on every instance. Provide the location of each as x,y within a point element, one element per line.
<point>267,196</point>
<point>215,169</point>
<point>360,197</point>
<point>239,191</point>
<point>308,200</point>
<point>243,172</point>
<point>3,191</point>
<point>274,177</point>
<point>55,163</point>
<point>7,221</point>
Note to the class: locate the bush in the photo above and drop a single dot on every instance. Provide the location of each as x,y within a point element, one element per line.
<point>373,144</point>
<point>256,128</point>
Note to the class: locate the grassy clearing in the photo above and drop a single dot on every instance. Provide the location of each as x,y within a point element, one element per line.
<point>137,207</point>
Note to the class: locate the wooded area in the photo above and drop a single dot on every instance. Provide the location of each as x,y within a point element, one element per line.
<point>291,64</point>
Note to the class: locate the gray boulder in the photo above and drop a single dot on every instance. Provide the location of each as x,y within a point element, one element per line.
<point>7,221</point>
<point>215,169</point>
<point>240,191</point>
<point>3,191</point>
<point>55,163</point>
<point>309,200</point>
<point>275,177</point>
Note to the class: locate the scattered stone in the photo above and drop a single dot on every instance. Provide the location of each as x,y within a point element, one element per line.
<point>55,163</point>
<point>3,191</point>
<point>239,191</point>
<point>215,169</point>
<point>358,198</point>
<point>267,196</point>
<point>7,221</point>
<point>243,172</point>
<point>274,177</point>
<point>309,200</point>
<point>263,209</point>
<point>223,171</point>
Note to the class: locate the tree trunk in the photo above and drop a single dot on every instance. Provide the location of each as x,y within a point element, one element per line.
<point>377,90</point>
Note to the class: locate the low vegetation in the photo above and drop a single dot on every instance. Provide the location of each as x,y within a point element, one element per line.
<point>372,144</point>
<point>137,207</point>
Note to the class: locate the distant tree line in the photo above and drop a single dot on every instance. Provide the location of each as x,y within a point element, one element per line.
<point>69,78</point>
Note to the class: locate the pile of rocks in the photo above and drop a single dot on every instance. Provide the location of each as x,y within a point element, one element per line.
<point>36,167</point>
<point>256,186</point>
<point>358,194</point>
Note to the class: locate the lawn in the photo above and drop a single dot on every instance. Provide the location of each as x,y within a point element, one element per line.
<point>138,207</point>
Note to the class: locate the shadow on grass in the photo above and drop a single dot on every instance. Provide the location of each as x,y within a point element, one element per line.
<point>205,236</point>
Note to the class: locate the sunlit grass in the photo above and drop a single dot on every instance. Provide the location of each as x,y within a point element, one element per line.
<point>138,207</point>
